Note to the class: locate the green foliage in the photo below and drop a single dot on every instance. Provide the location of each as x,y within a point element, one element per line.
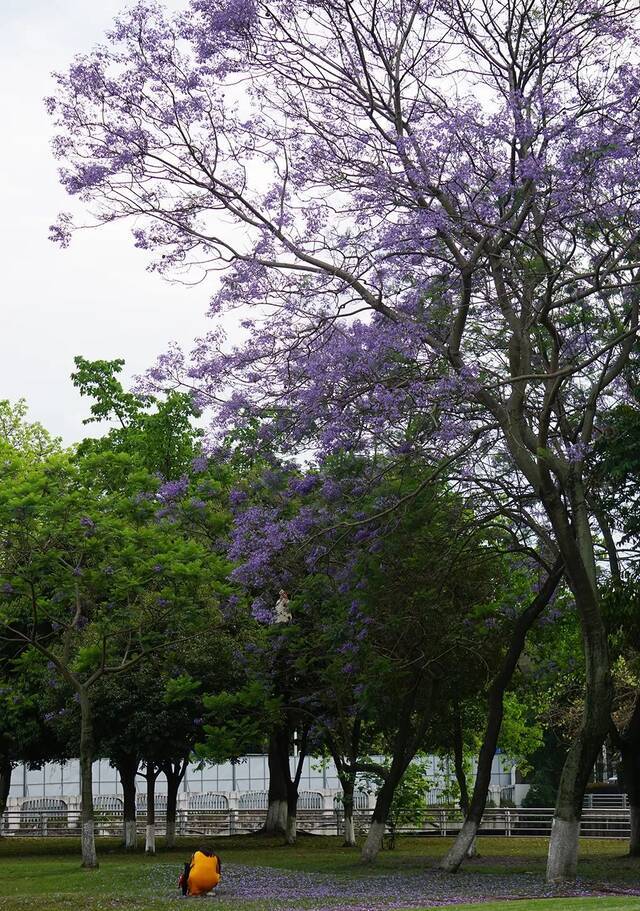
<point>158,433</point>
<point>547,763</point>
<point>522,734</point>
<point>99,380</point>
<point>181,689</point>
<point>410,798</point>
<point>29,439</point>
<point>238,722</point>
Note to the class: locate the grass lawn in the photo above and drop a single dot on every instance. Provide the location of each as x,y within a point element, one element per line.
<point>259,874</point>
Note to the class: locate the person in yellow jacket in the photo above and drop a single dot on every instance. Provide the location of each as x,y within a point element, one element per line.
<point>201,874</point>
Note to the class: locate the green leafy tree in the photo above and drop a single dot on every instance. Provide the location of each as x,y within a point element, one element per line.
<point>91,579</point>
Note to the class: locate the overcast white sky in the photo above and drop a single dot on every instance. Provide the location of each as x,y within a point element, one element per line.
<point>96,298</point>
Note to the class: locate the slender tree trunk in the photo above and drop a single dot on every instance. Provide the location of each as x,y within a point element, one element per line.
<point>151,776</point>
<point>495,711</point>
<point>172,812</point>
<point>562,861</point>
<point>6,768</point>
<point>292,782</point>
<point>127,769</point>
<point>348,786</point>
<point>345,767</point>
<point>276,821</point>
<point>174,772</point>
<point>461,775</point>
<point>89,856</point>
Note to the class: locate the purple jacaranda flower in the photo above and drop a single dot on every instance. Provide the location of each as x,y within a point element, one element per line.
<point>576,452</point>
<point>261,611</point>
<point>346,648</point>
<point>199,464</point>
<point>303,485</point>
<point>236,497</point>
<point>173,490</point>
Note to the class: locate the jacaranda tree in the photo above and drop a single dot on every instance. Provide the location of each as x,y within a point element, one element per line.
<point>438,203</point>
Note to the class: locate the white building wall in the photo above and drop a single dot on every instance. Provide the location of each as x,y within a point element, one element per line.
<point>250,774</point>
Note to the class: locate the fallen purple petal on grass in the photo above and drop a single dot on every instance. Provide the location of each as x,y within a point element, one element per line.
<point>286,890</point>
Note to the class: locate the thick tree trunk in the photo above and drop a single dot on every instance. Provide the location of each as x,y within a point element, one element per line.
<point>276,821</point>
<point>89,856</point>
<point>127,769</point>
<point>562,860</point>
<point>6,768</point>
<point>465,841</point>
<point>576,548</point>
<point>629,745</point>
<point>384,799</point>
<point>634,836</point>
<point>292,813</point>
<point>408,739</point>
<point>631,783</point>
<point>375,835</point>
<point>174,772</point>
<point>150,840</point>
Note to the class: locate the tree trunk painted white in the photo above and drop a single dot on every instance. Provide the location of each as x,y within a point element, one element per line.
<point>276,821</point>
<point>127,769</point>
<point>349,832</point>
<point>130,834</point>
<point>460,848</point>
<point>292,828</point>
<point>472,850</point>
<point>150,839</point>
<point>562,862</point>
<point>170,840</point>
<point>373,843</point>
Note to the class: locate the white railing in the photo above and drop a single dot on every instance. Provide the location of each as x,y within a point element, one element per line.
<point>501,821</point>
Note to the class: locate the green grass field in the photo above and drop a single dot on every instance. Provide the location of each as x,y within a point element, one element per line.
<point>260,874</point>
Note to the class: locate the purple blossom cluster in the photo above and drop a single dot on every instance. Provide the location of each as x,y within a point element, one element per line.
<point>173,490</point>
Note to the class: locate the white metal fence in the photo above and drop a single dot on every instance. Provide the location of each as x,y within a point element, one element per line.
<point>204,820</point>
